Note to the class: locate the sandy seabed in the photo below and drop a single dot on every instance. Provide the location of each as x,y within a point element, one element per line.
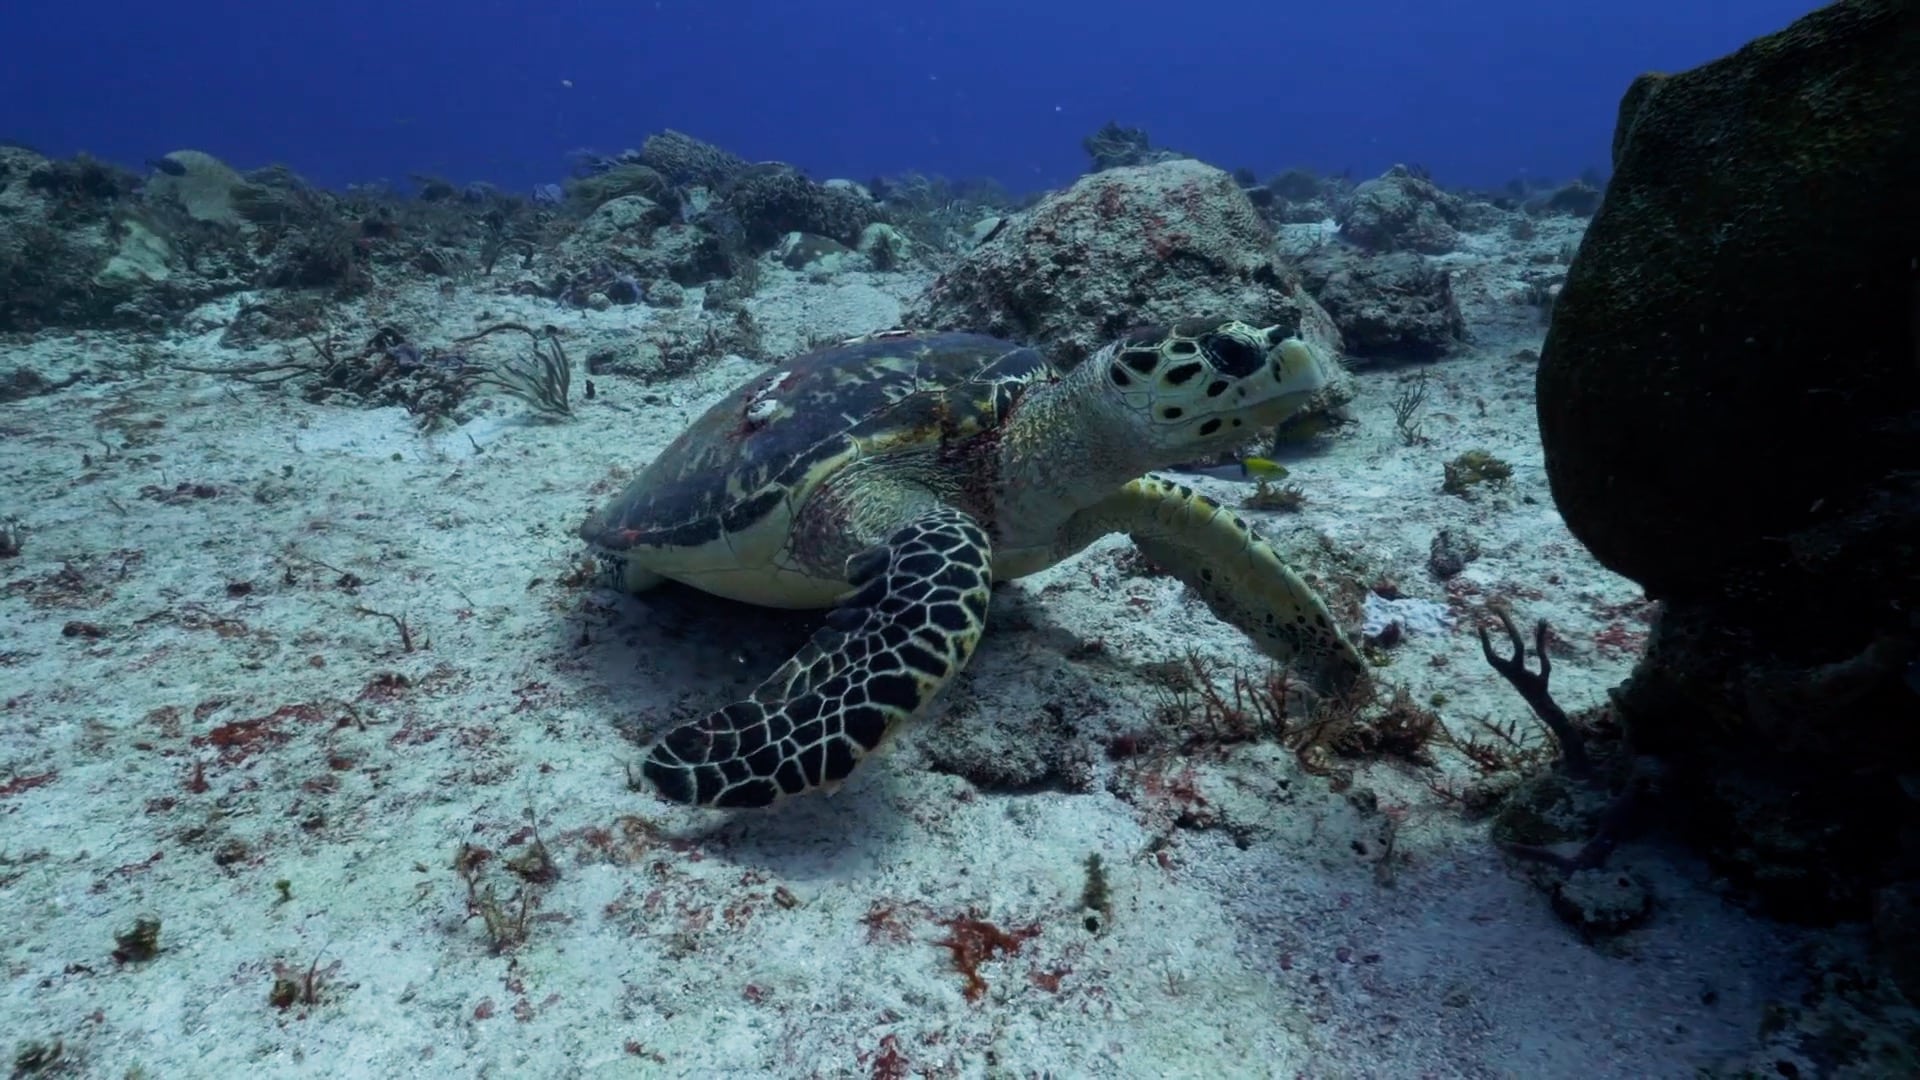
<point>377,853</point>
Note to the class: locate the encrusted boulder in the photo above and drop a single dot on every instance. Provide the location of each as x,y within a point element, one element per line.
<point>1577,199</point>
<point>1297,197</point>
<point>814,254</point>
<point>683,159</point>
<point>1729,406</point>
<point>625,221</point>
<point>1388,307</point>
<point>1116,147</point>
<point>1123,247</point>
<point>772,199</point>
<point>685,255</point>
<point>634,237</point>
<point>617,180</point>
<point>1758,322</point>
<point>1401,211</point>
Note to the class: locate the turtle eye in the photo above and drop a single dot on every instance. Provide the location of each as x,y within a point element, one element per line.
<point>1233,356</point>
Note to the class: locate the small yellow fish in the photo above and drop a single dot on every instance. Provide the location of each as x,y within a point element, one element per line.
<point>1247,470</point>
<point>1259,468</point>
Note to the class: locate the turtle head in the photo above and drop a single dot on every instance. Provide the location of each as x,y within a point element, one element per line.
<point>1205,385</point>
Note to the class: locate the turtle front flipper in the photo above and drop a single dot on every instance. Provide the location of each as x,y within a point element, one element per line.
<point>918,605</point>
<point>1242,579</point>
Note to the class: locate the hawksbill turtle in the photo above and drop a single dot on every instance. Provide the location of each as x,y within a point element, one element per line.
<point>894,478</point>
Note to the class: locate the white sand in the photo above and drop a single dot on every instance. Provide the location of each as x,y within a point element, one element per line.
<point>677,943</point>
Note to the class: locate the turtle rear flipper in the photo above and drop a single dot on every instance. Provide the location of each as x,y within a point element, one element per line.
<point>1242,579</point>
<point>918,605</point>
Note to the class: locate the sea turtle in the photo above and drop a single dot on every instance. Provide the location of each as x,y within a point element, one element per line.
<point>896,477</point>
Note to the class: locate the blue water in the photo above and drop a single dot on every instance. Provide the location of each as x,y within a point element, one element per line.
<point>350,91</point>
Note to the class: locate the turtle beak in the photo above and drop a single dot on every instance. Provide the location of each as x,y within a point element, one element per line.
<point>1297,366</point>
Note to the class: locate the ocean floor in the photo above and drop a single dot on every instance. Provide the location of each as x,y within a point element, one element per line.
<point>334,703</point>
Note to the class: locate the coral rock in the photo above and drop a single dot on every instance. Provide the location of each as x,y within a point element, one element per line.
<point>1143,244</point>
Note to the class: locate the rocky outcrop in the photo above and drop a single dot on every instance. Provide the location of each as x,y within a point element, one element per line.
<point>1729,402</point>
<point>1401,211</point>
<point>773,199</point>
<point>1120,248</point>
<point>84,243</point>
<point>1388,307</point>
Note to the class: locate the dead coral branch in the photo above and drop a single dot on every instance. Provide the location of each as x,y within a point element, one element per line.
<point>542,381</point>
<point>1533,688</point>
